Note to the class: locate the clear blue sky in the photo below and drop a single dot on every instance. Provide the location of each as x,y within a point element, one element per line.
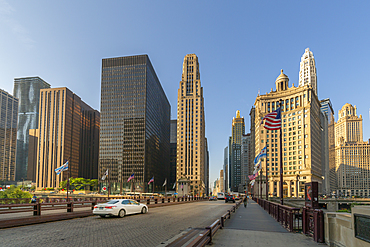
<point>241,45</point>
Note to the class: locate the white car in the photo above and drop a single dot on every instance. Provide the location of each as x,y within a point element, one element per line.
<point>120,208</point>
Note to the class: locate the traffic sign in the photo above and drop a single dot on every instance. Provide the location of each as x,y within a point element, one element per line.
<point>104,188</point>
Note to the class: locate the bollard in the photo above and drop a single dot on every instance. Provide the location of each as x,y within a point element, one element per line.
<point>70,207</point>
<point>162,200</point>
<point>37,209</point>
<point>169,200</point>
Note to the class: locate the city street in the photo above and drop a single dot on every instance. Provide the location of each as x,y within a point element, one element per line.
<point>151,229</point>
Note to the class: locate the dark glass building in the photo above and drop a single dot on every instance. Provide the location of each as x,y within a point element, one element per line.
<point>135,125</point>
<point>173,154</point>
<point>27,90</point>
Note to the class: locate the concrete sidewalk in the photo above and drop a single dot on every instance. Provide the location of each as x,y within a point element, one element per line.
<point>252,226</point>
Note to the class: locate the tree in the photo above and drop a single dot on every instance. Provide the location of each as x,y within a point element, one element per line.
<point>14,192</point>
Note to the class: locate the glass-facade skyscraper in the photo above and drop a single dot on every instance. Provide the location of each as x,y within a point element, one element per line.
<point>27,90</point>
<point>8,135</point>
<point>135,124</point>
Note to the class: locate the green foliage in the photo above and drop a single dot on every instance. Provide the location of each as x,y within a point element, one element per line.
<point>80,184</point>
<point>50,189</point>
<point>14,192</point>
<point>344,211</point>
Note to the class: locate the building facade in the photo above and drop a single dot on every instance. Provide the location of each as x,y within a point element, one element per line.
<point>8,135</point>
<point>245,159</point>
<point>27,90</point>
<point>173,148</point>
<point>328,147</point>
<point>301,137</point>
<point>68,130</point>
<point>238,130</point>
<point>352,154</point>
<point>135,125</point>
<point>191,142</point>
<point>226,169</point>
<point>307,72</point>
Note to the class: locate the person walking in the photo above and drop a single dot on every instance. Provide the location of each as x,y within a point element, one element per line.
<point>245,201</point>
<point>34,199</point>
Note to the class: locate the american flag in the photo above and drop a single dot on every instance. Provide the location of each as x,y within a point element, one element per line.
<point>273,120</point>
<point>151,180</point>
<point>253,177</point>
<point>131,177</point>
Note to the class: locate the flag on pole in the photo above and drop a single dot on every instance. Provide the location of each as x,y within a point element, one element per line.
<point>257,168</point>
<point>165,182</point>
<point>131,177</point>
<point>174,186</point>
<point>273,120</point>
<point>62,168</point>
<point>105,175</point>
<point>151,180</point>
<point>253,177</point>
<point>252,183</point>
<point>262,154</point>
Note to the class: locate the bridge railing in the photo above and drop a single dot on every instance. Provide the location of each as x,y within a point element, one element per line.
<point>205,237</point>
<point>289,217</point>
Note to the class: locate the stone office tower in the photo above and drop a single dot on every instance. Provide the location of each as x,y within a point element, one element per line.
<point>238,130</point>
<point>135,125</point>
<point>68,130</point>
<point>27,90</point>
<point>8,135</point>
<point>307,72</point>
<point>191,152</point>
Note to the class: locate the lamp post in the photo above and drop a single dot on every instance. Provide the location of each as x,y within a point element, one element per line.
<point>297,186</point>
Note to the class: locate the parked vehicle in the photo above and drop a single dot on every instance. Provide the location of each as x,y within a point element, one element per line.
<point>229,198</point>
<point>120,208</point>
<point>212,198</point>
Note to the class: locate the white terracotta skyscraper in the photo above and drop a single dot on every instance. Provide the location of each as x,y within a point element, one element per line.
<point>191,153</point>
<point>307,71</point>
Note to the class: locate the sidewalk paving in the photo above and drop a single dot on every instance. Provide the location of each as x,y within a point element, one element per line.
<point>253,226</point>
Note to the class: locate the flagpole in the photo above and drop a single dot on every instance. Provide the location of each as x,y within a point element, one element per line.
<point>69,169</point>
<point>281,161</point>
<point>261,183</point>
<point>108,183</point>
<point>267,182</point>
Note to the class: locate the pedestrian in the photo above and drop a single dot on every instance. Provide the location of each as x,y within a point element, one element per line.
<point>245,201</point>
<point>34,199</point>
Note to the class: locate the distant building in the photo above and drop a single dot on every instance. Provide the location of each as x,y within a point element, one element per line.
<point>246,165</point>
<point>238,130</point>
<point>328,146</point>
<point>27,90</point>
<point>307,72</point>
<point>352,154</point>
<point>226,169</point>
<point>8,135</point>
<point>222,188</point>
<point>68,130</point>
<point>191,141</point>
<point>135,125</point>
<point>173,156</point>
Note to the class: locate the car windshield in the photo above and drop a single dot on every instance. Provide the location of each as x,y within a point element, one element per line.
<point>112,202</point>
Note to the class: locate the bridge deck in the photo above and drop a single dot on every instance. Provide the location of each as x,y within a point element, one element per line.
<point>252,226</point>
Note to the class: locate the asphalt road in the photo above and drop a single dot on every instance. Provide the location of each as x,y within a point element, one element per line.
<point>151,229</point>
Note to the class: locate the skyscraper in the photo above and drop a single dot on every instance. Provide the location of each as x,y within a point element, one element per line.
<point>301,137</point>
<point>328,146</point>
<point>68,130</point>
<point>135,124</point>
<point>238,130</point>
<point>8,135</point>
<point>27,90</point>
<point>226,169</point>
<point>173,148</point>
<point>307,72</point>
<point>191,147</point>
<point>352,154</point>
<point>245,159</point>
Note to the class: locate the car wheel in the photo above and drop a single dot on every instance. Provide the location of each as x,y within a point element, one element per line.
<point>225,201</point>
<point>143,210</point>
<point>102,216</point>
<point>121,213</point>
